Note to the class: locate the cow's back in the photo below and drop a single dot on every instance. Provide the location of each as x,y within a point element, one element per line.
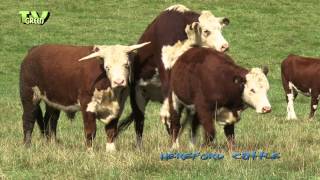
<point>56,71</point>
<point>301,71</point>
<point>165,29</point>
<point>206,71</point>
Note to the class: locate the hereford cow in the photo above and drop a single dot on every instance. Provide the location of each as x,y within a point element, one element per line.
<point>211,85</point>
<point>300,74</point>
<point>150,74</point>
<point>98,87</point>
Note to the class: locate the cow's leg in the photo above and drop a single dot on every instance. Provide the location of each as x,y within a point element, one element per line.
<point>205,116</point>
<point>194,129</point>
<point>291,94</point>
<point>89,121</point>
<point>314,104</point>
<point>40,121</point>
<point>229,133</point>
<point>111,131</point>
<point>31,112</point>
<point>138,104</point>
<point>51,120</point>
<point>165,114</point>
<point>175,109</point>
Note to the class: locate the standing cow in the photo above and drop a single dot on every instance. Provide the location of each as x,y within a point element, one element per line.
<point>150,74</point>
<point>300,75</point>
<point>98,87</point>
<point>212,86</point>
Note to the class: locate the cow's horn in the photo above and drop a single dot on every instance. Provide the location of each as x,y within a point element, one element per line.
<point>137,46</point>
<point>92,55</point>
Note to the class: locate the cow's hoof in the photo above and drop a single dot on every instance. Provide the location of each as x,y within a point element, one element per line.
<point>110,147</point>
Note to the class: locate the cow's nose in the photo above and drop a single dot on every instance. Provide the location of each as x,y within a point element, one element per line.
<point>118,82</point>
<point>266,109</point>
<point>224,47</point>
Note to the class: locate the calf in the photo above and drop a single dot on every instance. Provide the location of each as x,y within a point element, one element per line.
<point>211,85</point>
<point>150,74</point>
<point>98,88</point>
<point>299,74</point>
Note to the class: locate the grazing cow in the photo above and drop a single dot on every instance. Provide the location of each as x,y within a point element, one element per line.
<point>150,74</point>
<point>98,87</point>
<point>211,85</point>
<point>299,74</point>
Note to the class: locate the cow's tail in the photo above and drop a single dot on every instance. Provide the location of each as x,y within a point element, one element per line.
<point>125,123</point>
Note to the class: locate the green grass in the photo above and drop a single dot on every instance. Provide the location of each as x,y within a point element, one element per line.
<point>260,33</point>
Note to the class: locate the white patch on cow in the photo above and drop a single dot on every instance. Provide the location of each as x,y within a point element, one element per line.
<point>314,106</point>
<point>225,116</point>
<point>176,144</point>
<point>110,147</point>
<point>255,90</point>
<point>164,112</point>
<point>38,96</point>
<point>290,108</point>
<point>175,102</point>
<point>105,104</point>
<point>178,7</point>
<point>155,80</point>
<point>151,88</point>
<point>170,54</point>
<point>191,107</point>
<point>292,87</point>
<point>211,27</point>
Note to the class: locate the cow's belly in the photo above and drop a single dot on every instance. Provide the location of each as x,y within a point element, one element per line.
<point>304,91</point>
<point>223,116</point>
<point>151,88</point>
<point>69,108</point>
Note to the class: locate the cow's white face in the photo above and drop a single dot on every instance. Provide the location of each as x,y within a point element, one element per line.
<point>116,62</point>
<point>211,31</point>
<point>255,90</point>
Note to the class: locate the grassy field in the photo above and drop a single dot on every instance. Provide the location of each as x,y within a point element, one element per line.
<point>260,33</point>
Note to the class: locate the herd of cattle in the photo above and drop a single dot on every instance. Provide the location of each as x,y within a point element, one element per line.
<point>179,61</point>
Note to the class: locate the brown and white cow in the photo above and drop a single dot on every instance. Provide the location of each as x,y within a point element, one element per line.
<point>97,87</point>
<point>150,73</point>
<point>300,75</point>
<point>212,86</point>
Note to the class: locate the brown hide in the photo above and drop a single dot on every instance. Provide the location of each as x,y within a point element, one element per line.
<point>303,73</point>
<point>56,71</point>
<point>208,80</point>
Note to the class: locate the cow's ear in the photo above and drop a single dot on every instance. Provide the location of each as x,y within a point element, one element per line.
<point>265,70</point>
<point>239,80</point>
<point>196,27</point>
<point>224,21</point>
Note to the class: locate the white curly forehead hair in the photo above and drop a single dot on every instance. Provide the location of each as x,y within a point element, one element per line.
<point>258,75</point>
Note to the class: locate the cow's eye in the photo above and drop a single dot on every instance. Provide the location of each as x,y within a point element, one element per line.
<point>253,91</point>
<point>206,32</point>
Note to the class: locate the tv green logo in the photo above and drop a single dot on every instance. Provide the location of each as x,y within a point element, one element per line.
<point>32,17</point>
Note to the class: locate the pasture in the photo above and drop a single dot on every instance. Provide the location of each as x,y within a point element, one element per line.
<point>260,33</point>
